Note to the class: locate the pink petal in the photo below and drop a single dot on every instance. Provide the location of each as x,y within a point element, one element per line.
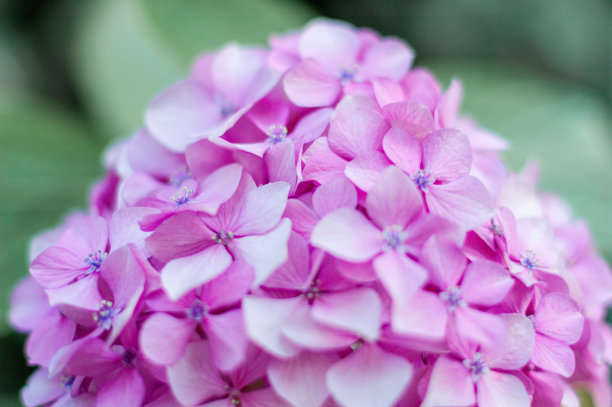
<point>163,338</point>
<point>501,390</point>
<point>217,188</point>
<point>447,154</point>
<point>147,155</point>
<point>485,283</point>
<point>181,235</point>
<point>184,274</point>
<point>553,355</point>
<point>393,200</point>
<point>387,91</point>
<point>54,332</point>
<point>125,389</point>
<point>448,108</point>
<point>28,302</point>
<point>228,288</point>
<point>388,58</point>
<point>465,201</point>
<point>423,315</point>
<point>203,157</point>
<point>181,114</point>
<point>410,116</point>
<point>364,170</point>
<point>264,252</point>
<point>558,316</point>
<point>479,327</point>
<point>262,398</point>
<point>400,276</point>
<point>256,148</point>
<point>369,377</point>
<point>450,384</point>
<point>347,234</point>
<point>124,227</point>
<point>280,161</point>
<point>227,339</point>
<point>445,262</point>
<point>303,219</point>
<point>312,125</point>
<point>332,195</point>
<point>422,86</point>
<point>334,45</point>
<point>301,380</point>
<point>518,346</point>
<point>194,378</point>
<point>90,357</point>
<point>294,274</point>
<point>41,389</point>
<point>308,84</point>
<point>57,266</point>
<point>83,293</point>
<point>262,209</point>
<point>264,320</point>
<point>403,150</point>
<point>356,127</point>
<point>339,310</point>
<point>321,164</point>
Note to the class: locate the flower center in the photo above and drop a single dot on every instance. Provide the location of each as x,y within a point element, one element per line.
<point>422,180</point>
<point>277,133</point>
<point>533,321</point>
<point>313,292</point>
<point>181,175</point>
<point>234,395</point>
<point>347,73</point>
<point>182,197</point>
<point>67,381</point>
<point>529,260</point>
<point>477,366</point>
<point>453,299</point>
<point>393,238</point>
<point>128,356</point>
<point>223,237</point>
<point>196,311</point>
<point>227,110</point>
<point>95,260</point>
<point>105,314</point>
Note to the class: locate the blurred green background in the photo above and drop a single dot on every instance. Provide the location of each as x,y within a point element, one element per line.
<point>76,74</point>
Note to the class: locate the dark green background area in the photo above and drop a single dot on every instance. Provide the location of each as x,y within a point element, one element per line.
<point>76,74</point>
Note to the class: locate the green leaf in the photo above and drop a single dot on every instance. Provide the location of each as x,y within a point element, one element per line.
<point>127,51</point>
<point>563,127</point>
<point>47,163</point>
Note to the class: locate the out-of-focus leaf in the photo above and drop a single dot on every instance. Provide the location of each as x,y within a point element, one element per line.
<point>47,163</point>
<point>565,128</point>
<point>126,51</point>
<point>10,401</point>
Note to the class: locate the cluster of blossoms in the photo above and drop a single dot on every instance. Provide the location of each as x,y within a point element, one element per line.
<point>312,225</point>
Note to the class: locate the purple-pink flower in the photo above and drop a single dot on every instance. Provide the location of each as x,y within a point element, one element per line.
<point>315,225</point>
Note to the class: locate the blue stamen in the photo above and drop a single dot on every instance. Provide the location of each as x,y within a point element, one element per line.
<point>277,133</point>
<point>422,180</point>
<point>95,260</point>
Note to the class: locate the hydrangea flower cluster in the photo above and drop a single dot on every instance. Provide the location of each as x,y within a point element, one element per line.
<point>315,224</point>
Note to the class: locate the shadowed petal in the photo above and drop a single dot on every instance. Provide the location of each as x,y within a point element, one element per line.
<point>125,389</point>
<point>450,385</point>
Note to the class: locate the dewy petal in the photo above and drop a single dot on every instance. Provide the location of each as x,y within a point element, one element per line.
<point>388,58</point>
<point>182,235</point>
<point>184,274</point>
<point>308,84</point>
<point>332,195</point>
<point>301,380</point>
<point>356,127</point>
<point>358,310</point>
<point>403,150</point>
<point>485,283</point>
<point>262,209</point>
<point>181,114</point>
<point>393,200</point>
<point>450,384</point>
<point>194,379</point>
<point>127,389</point>
<point>465,201</point>
<point>369,377</point>
<point>334,45</point>
<point>553,355</point>
<point>163,338</point>
<point>558,316</point>
<point>501,390</point>
<point>364,170</point>
<point>264,320</point>
<point>347,234</point>
<point>447,154</point>
<point>264,252</point>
